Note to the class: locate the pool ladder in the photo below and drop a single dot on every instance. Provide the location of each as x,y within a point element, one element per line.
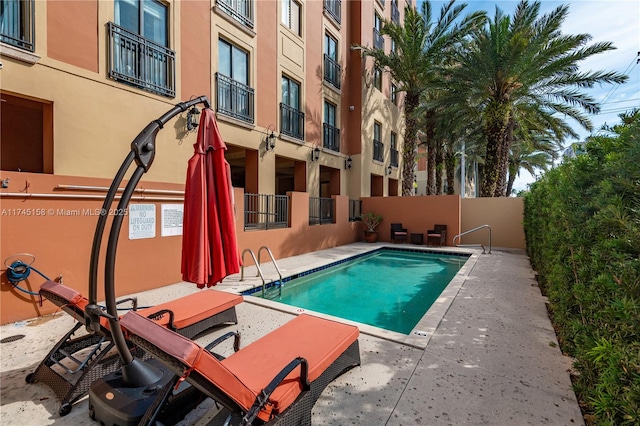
<point>257,263</point>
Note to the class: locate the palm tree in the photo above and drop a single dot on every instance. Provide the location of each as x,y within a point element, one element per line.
<point>525,67</point>
<point>530,156</point>
<point>421,47</point>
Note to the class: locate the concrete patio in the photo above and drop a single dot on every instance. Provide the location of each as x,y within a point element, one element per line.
<point>492,357</point>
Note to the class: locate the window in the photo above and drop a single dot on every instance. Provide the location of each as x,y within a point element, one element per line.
<point>377,77</point>
<point>331,135</point>
<point>147,18</point>
<point>291,15</point>
<point>377,142</point>
<point>378,40</point>
<point>395,12</point>
<point>332,69</point>
<point>332,7</point>
<point>233,62</point>
<point>394,149</point>
<point>234,96</point>
<point>394,94</point>
<point>138,45</point>
<point>17,23</point>
<point>240,10</point>
<point>291,118</point>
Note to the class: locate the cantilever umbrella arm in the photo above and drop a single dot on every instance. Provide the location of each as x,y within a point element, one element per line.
<point>143,153</point>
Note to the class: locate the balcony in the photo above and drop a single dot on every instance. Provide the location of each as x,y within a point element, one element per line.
<point>332,7</point>
<point>378,150</point>
<point>394,157</point>
<point>321,210</point>
<point>141,63</point>
<point>17,26</point>
<point>378,40</point>
<point>240,10</point>
<point>234,98</point>
<point>331,137</point>
<point>332,71</point>
<point>291,122</point>
<point>266,211</point>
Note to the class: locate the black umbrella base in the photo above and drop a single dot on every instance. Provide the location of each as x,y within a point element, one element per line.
<point>113,403</point>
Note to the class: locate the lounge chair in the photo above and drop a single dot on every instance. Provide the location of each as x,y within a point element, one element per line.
<point>398,233</point>
<point>274,380</point>
<point>437,235</point>
<point>80,360</point>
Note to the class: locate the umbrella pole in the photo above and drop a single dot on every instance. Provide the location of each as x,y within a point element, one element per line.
<point>138,377</point>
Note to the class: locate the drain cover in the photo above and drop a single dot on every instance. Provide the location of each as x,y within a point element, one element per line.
<point>12,338</point>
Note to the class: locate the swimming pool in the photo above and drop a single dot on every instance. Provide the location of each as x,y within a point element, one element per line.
<point>388,288</point>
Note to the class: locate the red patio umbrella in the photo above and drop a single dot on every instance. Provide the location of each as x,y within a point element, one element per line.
<point>209,246</point>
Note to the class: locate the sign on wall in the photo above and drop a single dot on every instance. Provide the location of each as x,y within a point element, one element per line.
<point>142,221</point>
<point>171,219</point>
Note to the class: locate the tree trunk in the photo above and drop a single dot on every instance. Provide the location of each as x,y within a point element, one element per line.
<point>496,120</point>
<point>430,130</point>
<point>505,153</point>
<point>409,144</point>
<point>450,169</point>
<point>512,178</point>
<point>439,167</point>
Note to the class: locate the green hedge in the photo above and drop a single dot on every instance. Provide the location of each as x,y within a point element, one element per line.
<point>582,226</point>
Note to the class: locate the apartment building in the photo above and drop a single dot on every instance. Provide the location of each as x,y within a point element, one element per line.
<point>299,110</point>
<point>301,113</point>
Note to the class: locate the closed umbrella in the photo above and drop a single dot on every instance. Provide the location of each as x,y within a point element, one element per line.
<point>209,245</point>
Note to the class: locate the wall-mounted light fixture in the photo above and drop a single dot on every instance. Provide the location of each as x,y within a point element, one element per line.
<point>270,140</point>
<point>193,119</point>
<point>389,170</point>
<point>315,154</point>
<point>347,163</point>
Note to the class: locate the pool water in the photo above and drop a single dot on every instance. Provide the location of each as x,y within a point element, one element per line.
<point>390,289</point>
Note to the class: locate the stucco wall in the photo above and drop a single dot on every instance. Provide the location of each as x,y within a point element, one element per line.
<point>504,215</point>
<point>59,232</point>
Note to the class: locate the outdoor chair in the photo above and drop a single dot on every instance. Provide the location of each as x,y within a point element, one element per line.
<point>274,380</point>
<point>398,233</point>
<point>437,235</point>
<point>76,361</point>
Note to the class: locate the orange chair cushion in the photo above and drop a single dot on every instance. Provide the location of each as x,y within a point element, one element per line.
<point>319,341</point>
<point>191,309</point>
<point>247,372</point>
<point>187,310</point>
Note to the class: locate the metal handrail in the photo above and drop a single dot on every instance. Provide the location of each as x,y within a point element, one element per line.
<point>274,264</point>
<point>253,256</point>
<point>473,245</point>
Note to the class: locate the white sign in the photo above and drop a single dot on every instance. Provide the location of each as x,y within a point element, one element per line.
<point>171,219</point>
<point>142,221</point>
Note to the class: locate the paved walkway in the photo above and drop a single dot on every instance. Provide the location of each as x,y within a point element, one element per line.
<point>492,360</point>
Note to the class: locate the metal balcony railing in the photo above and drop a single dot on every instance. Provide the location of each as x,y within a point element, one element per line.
<point>17,24</point>
<point>234,98</point>
<point>378,150</point>
<point>140,62</point>
<point>240,10</point>
<point>394,157</point>
<point>378,39</point>
<point>332,71</point>
<point>266,211</point>
<point>332,7</point>
<point>321,210</point>
<point>355,210</point>
<point>291,122</point>
<point>331,137</point>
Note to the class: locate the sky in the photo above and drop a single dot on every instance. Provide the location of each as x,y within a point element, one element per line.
<point>617,21</point>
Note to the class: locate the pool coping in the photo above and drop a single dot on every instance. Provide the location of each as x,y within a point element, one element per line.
<point>425,328</point>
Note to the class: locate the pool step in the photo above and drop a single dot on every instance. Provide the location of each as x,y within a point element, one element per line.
<point>273,292</point>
